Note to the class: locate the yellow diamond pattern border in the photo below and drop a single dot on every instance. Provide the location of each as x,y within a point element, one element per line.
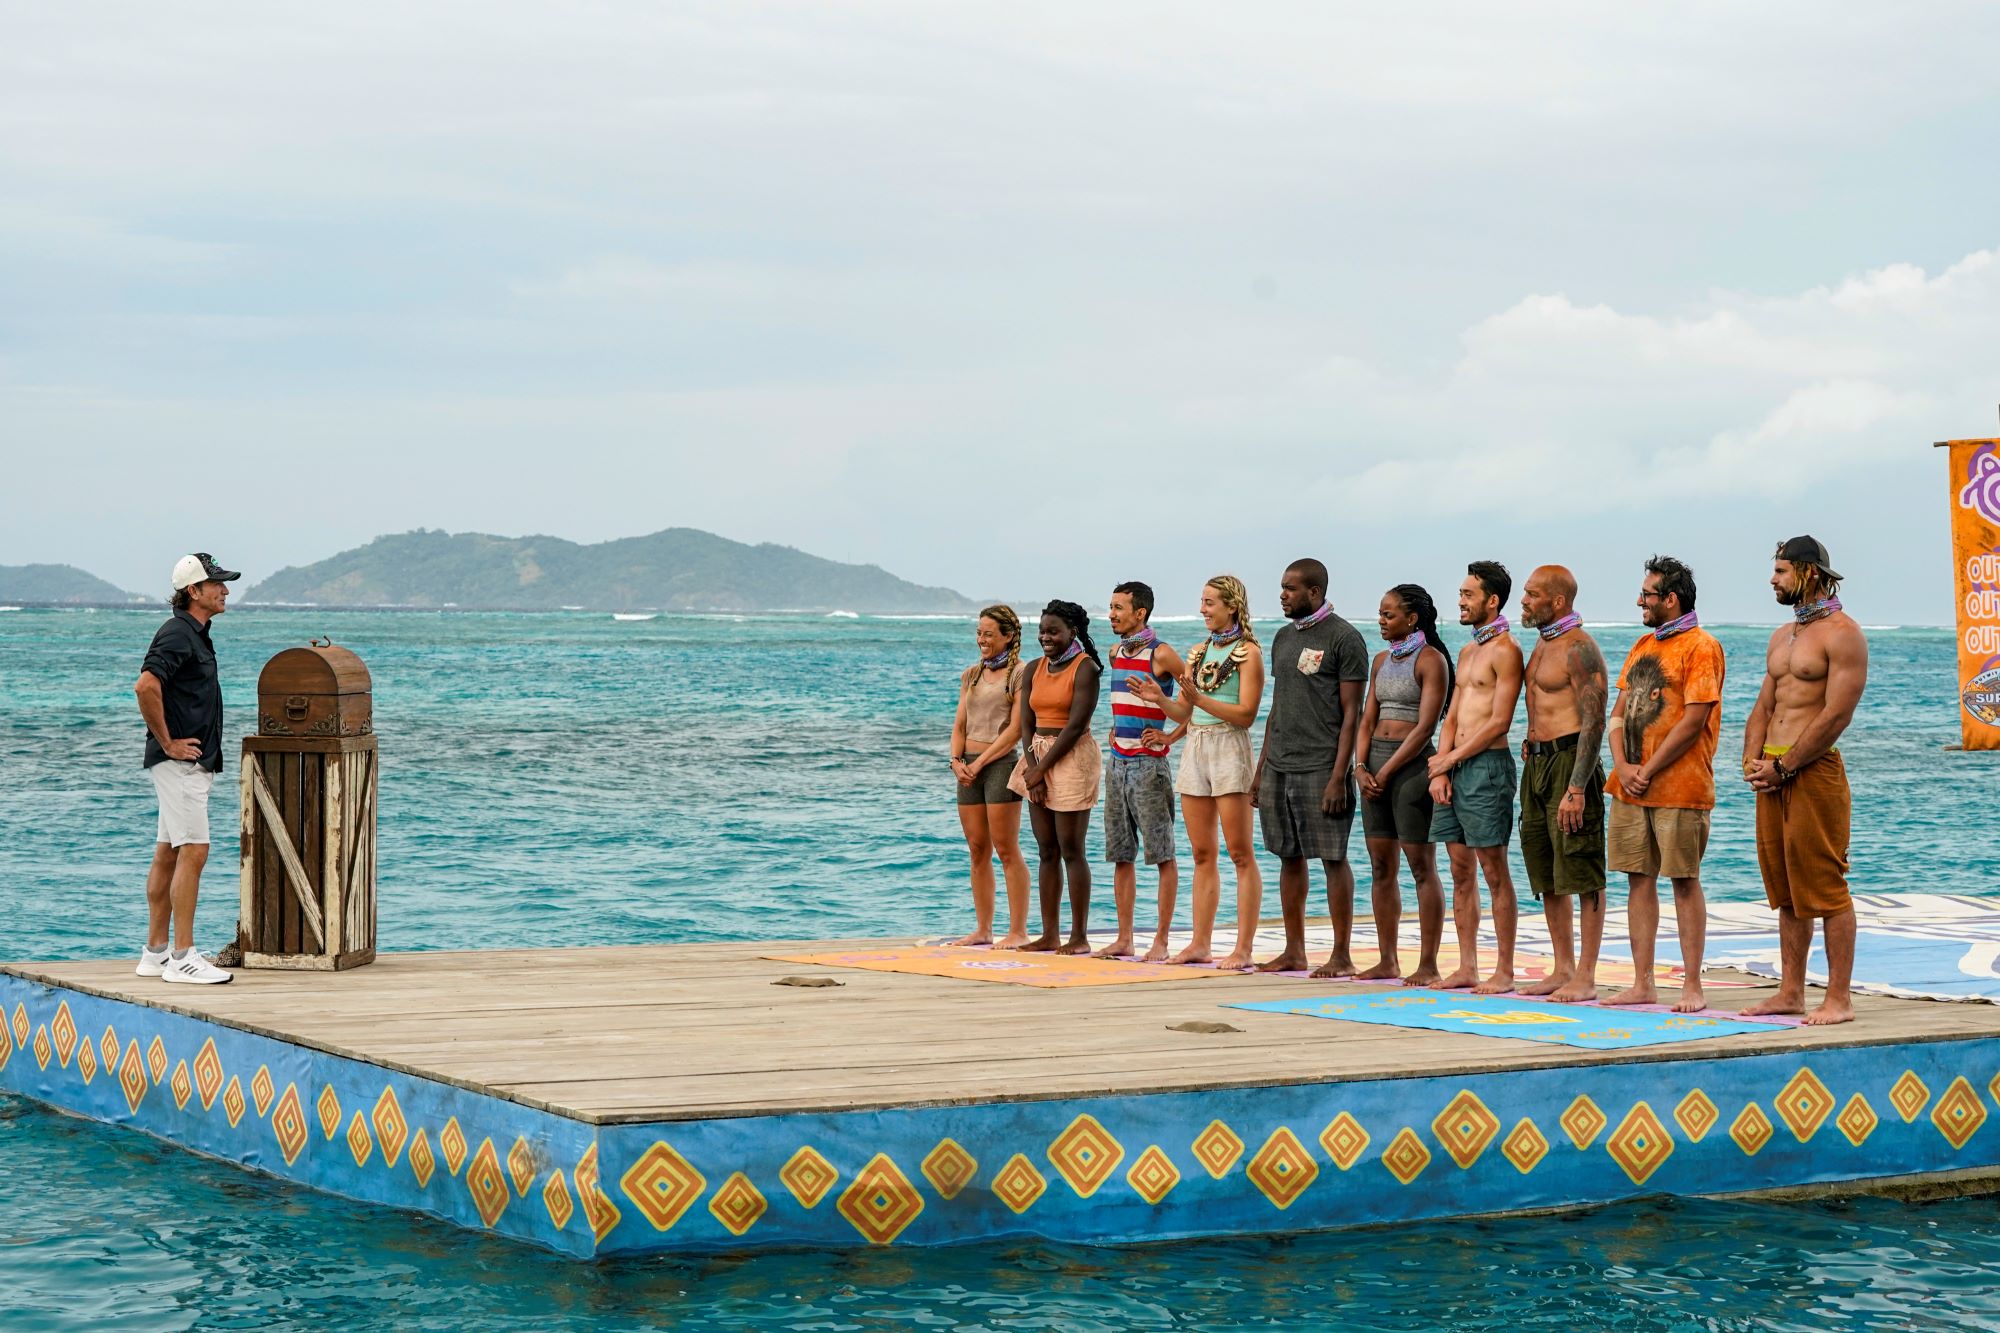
<point>1018,1184</point>
<point>1344,1140</point>
<point>288,1124</point>
<point>1804,1104</point>
<point>598,1209</point>
<point>1857,1120</point>
<point>328,1107</point>
<point>392,1130</point>
<point>1909,1096</point>
<point>521,1166</point>
<point>359,1145</point>
<point>132,1077</point>
<point>1696,1115</point>
<point>949,1168</point>
<point>880,1202</point>
<point>63,1028</point>
<point>182,1084</point>
<point>1085,1154</point>
<point>1583,1122</point>
<point>208,1074</point>
<point>156,1060</point>
<point>486,1184</point>
<point>262,1090</point>
<point>233,1103</point>
<point>555,1198</point>
<point>1282,1168</point>
<point>422,1161</point>
<point>1752,1129</point>
<point>1218,1149</point>
<point>738,1204</point>
<point>1465,1128</point>
<point>452,1139</point>
<point>1525,1146</point>
<point>808,1175</point>
<point>1641,1144</point>
<point>1959,1113</point>
<point>86,1061</point>
<point>663,1185</point>
<point>1406,1156</point>
<point>1153,1175</point>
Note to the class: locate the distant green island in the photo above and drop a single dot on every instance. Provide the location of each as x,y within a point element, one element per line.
<point>66,585</point>
<point>680,569</point>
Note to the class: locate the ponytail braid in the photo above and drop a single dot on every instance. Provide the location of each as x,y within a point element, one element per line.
<point>1078,621</point>
<point>1416,600</point>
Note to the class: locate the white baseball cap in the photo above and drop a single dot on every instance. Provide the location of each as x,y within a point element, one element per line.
<point>200,568</point>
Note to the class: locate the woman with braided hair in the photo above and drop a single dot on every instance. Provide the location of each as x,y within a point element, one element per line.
<point>1410,684</point>
<point>1060,768</point>
<point>982,735</point>
<point>1221,690</point>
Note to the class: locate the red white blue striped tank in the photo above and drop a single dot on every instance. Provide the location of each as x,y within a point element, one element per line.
<point>1131,715</point>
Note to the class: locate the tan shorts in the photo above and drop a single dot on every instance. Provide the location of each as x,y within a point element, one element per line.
<point>1072,783</point>
<point>1656,840</point>
<point>1216,762</point>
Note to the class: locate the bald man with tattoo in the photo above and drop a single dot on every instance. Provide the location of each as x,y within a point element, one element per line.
<point>1562,781</point>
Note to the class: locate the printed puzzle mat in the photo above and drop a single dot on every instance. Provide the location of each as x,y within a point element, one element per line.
<point>1018,969</point>
<point>1590,1027</point>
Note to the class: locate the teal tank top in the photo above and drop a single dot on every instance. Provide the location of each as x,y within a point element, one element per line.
<point>1218,674</point>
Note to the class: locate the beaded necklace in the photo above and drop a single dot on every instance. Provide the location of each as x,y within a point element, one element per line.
<point>1679,626</point>
<point>1807,612</point>
<point>1557,628</point>
<point>1491,630</point>
<point>1402,648</point>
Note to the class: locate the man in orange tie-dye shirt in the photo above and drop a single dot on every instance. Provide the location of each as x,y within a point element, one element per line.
<point>1663,735</point>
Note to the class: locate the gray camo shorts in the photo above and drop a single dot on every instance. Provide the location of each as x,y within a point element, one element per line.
<point>1138,803</point>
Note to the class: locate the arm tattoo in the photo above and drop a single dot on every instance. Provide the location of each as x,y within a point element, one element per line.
<point>1587,673</point>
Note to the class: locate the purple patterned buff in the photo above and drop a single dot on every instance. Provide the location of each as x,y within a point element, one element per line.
<point>995,662</point>
<point>1680,626</point>
<point>1139,642</point>
<point>1555,629</point>
<point>1226,636</point>
<point>1402,648</point>
<point>1491,630</point>
<point>1807,612</point>
<point>1075,647</point>
<point>1306,622</point>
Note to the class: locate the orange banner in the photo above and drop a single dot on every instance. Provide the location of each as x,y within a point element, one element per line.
<point>1975,554</point>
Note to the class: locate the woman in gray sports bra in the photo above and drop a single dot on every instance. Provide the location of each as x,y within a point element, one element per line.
<point>1409,688</point>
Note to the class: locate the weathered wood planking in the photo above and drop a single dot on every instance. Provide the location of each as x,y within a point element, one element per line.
<point>670,1032</point>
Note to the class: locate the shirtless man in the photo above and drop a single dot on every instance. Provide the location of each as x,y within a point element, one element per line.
<point>1814,672</point>
<point>1562,780</point>
<point>1472,776</point>
<point>1138,782</point>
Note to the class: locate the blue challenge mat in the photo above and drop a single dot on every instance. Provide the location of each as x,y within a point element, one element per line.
<point>1587,1026</point>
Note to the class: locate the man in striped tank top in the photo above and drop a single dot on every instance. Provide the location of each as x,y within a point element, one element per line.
<point>1138,781</point>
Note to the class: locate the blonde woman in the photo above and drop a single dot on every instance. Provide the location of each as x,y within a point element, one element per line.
<point>1221,689</point>
<point>983,736</point>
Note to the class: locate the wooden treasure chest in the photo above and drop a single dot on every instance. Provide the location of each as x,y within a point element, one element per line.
<point>319,691</point>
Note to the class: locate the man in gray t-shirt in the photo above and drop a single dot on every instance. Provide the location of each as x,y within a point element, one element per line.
<point>1304,791</point>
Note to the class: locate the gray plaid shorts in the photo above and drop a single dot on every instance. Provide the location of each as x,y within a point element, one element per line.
<point>1294,825</point>
<point>1138,802</point>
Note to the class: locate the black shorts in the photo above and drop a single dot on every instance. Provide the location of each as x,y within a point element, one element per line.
<point>1403,810</point>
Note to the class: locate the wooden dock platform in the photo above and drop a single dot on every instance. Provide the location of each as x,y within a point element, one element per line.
<point>623,1100</point>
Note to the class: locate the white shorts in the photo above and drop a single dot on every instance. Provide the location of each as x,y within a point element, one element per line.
<point>1216,762</point>
<point>183,788</point>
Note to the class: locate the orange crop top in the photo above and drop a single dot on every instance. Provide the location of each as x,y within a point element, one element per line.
<point>1051,696</point>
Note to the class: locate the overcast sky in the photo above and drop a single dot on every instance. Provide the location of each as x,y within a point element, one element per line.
<point>1023,298</point>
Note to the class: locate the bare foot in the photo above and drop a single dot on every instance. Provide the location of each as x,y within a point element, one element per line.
<point>1692,1001</point>
<point>1574,992</point>
<point>1077,944</point>
<point>976,937</point>
<point>1235,962</point>
<point>1459,980</point>
<point>1497,984</point>
<point>1194,953</point>
<point>1117,949</point>
<point>1780,1003</point>
<point>1640,993</point>
<point>1389,969</point>
<point>1425,975</point>
<point>1284,962</point>
<point>1158,953</point>
<point>1830,1010</point>
<point>1013,939</point>
<point>1548,985</point>
<point>1043,945</point>
<point>1339,965</point>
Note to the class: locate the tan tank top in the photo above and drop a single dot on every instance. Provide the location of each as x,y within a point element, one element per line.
<point>987,707</point>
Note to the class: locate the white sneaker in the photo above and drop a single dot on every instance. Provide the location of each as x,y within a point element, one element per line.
<point>152,960</point>
<point>193,969</point>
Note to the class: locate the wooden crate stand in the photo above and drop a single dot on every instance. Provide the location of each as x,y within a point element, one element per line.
<point>308,852</point>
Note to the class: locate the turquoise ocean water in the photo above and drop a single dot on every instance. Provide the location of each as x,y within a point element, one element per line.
<point>570,779</point>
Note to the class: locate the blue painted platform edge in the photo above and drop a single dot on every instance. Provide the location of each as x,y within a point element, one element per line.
<point>1093,1170</point>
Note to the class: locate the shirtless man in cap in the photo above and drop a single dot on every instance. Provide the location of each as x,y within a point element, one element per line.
<point>1562,780</point>
<point>1814,672</point>
<point>1472,776</point>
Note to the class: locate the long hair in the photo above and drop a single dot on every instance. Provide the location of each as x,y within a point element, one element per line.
<point>183,598</point>
<point>1815,584</point>
<point>1078,621</point>
<point>1010,625</point>
<point>1237,598</point>
<point>1418,602</point>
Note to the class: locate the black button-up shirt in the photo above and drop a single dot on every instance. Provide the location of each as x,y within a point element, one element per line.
<point>183,659</point>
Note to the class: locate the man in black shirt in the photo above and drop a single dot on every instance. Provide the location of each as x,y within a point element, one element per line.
<point>180,698</point>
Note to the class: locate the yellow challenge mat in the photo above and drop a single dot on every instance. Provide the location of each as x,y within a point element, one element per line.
<point>1018,969</point>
